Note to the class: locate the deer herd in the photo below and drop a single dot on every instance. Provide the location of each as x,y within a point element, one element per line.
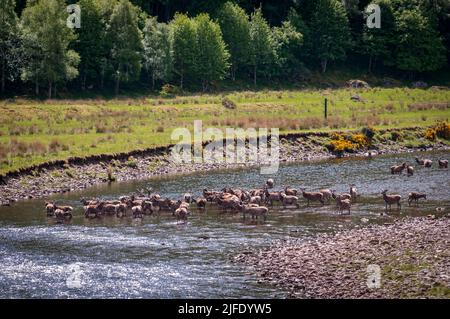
<point>254,202</point>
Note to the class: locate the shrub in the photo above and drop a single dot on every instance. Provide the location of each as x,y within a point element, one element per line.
<point>55,145</point>
<point>430,134</point>
<point>229,104</point>
<point>340,146</point>
<point>369,132</point>
<point>100,128</point>
<point>396,136</point>
<point>360,140</point>
<point>169,91</point>
<point>442,130</point>
<point>115,163</point>
<point>131,162</point>
<point>70,173</point>
<point>3,152</point>
<point>110,173</point>
<point>37,147</point>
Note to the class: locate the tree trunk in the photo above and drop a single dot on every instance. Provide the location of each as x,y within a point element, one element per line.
<point>36,88</point>
<point>233,73</point>
<point>83,82</point>
<point>117,85</point>
<point>153,81</point>
<point>3,75</point>
<point>49,89</point>
<point>323,64</point>
<point>370,64</point>
<point>254,75</point>
<point>102,80</point>
<point>181,81</point>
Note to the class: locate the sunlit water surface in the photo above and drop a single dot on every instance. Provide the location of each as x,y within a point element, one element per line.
<point>160,258</point>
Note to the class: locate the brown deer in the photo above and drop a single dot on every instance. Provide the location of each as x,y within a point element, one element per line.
<point>398,169</point>
<point>313,196</point>
<point>415,196</point>
<point>391,199</point>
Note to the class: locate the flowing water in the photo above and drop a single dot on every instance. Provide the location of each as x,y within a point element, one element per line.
<point>160,258</point>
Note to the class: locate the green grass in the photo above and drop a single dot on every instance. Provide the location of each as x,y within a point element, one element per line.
<point>33,132</point>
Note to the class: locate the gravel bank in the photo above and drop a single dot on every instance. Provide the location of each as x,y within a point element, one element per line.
<point>412,253</point>
<point>66,177</point>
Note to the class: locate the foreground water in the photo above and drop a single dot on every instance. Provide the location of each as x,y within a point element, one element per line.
<point>159,258</point>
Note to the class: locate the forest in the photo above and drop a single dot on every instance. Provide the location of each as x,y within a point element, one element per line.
<point>173,45</point>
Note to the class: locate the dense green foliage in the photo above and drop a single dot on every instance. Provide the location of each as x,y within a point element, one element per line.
<point>235,26</point>
<point>10,56</point>
<point>158,51</point>
<point>195,44</point>
<point>46,43</point>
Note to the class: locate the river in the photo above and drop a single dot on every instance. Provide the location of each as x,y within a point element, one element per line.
<point>160,258</point>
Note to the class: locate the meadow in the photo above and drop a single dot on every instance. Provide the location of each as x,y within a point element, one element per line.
<point>33,132</point>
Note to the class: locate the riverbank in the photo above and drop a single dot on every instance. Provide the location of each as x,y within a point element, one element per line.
<point>412,254</point>
<point>78,173</point>
<point>33,132</point>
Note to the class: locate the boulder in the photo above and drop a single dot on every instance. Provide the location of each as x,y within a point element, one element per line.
<point>419,85</point>
<point>356,98</point>
<point>390,83</point>
<point>358,84</point>
<point>438,88</point>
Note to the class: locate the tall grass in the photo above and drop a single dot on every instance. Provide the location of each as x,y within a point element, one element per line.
<point>32,132</point>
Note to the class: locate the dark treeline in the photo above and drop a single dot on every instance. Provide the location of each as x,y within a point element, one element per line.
<point>124,44</point>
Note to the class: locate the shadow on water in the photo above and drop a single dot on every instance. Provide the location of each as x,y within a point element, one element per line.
<point>157,257</point>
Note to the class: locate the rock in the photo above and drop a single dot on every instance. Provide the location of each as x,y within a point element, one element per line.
<point>390,83</point>
<point>358,84</point>
<point>356,98</point>
<point>419,85</point>
<point>332,265</point>
<point>438,88</point>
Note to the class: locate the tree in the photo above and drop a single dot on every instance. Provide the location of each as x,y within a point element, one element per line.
<point>46,44</point>
<point>328,36</point>
<point>91,41</point>
<point>212,55</point>
<point>262,49</point>
<point>287,41</point>
<point>235,26</point>
<point>10,57</point>
<point>106,8</point>
<point>419,47</point>
<point>377,43</point>
<point>126,43</point>
<point>184,46</point>
<point>158,50</point>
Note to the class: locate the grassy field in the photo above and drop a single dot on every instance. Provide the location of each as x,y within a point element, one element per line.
<point>32,132</point>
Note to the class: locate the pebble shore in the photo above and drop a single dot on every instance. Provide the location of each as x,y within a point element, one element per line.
<point>71,177</point>
<point>412,254</point>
